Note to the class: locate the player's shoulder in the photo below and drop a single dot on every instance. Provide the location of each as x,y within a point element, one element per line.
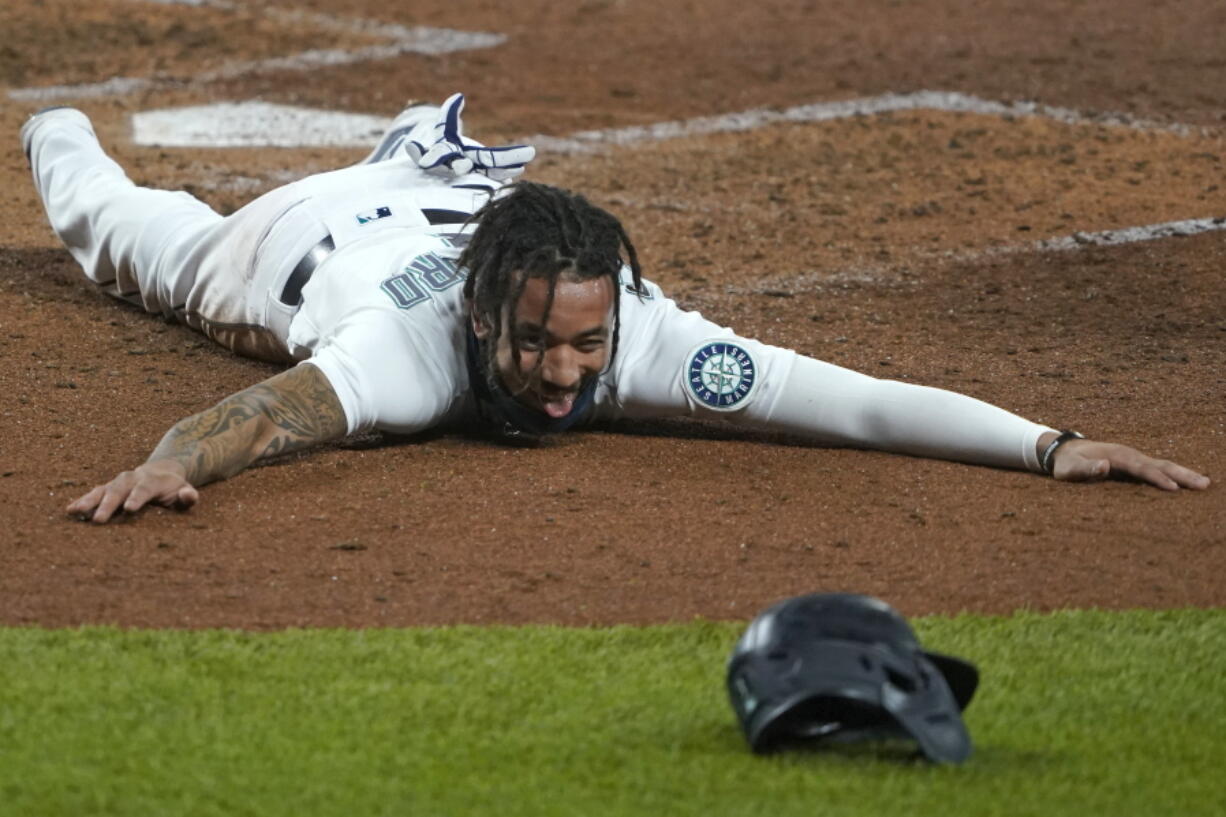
<point>645,313</point>
<point>638,301</point>
<point>645,290</point>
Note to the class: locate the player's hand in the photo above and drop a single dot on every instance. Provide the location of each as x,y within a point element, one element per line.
<point>1088,461</point>
<point>455,154</point>
<point>160,481</point>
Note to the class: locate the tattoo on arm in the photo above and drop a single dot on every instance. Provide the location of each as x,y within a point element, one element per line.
<point>285,413</point>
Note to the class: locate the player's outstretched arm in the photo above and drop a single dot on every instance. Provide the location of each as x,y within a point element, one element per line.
<point>829,403</point>
<point>286,412</point>
<point>1090,461</point>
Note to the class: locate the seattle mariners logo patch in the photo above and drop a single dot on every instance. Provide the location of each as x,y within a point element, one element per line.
<point>721,374</point>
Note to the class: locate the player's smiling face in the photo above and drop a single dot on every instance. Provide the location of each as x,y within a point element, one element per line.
<point>557,356</point>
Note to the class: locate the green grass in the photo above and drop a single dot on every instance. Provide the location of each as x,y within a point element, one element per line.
<point>1079,713</point>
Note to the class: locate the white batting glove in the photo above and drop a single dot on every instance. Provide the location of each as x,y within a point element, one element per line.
<point>456,155</point>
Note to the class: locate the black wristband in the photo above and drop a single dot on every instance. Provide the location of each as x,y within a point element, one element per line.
<point>1061,439</point>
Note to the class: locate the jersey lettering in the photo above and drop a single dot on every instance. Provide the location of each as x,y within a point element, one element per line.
<point>438,273</point>
<point>405,287</point>
<point>404,291</point>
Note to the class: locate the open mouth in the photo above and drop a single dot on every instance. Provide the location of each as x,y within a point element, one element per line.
<point>558,405</point>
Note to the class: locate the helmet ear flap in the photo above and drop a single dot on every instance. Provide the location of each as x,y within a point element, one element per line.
<point>962,676</point>
<point>930,713</point>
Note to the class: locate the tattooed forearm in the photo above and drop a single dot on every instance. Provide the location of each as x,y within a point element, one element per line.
<point>284,413</point>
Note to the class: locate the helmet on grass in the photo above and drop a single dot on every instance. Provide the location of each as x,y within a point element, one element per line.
<point>845,667</point>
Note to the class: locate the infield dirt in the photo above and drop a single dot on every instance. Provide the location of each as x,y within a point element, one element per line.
<point>896,244</point>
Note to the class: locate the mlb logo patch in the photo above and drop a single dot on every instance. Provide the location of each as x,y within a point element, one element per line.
<point>374,215</point>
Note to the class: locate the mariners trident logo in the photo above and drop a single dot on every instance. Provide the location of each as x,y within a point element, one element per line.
<point>721,374</point>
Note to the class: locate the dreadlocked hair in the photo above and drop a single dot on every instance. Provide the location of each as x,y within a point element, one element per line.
<point>537,231</point>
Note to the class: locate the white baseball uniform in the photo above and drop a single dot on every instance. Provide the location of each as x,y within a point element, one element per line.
<point>382,313</point>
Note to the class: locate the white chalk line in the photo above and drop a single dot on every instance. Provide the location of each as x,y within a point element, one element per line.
<point>597,140</point>
<point>1130,235</point>
<point>424,40</point>
<point>813,280</point>
<point>944,101</point>
<point>947,101</point>
<point>364,130</point>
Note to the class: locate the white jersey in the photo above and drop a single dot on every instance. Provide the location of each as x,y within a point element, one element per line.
<point>385,321</point>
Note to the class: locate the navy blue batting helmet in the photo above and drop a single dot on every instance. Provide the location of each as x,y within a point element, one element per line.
<point>840,667</point>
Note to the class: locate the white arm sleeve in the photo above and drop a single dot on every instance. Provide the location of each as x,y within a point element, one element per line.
<point>829,403</point>
<point>809,398</point>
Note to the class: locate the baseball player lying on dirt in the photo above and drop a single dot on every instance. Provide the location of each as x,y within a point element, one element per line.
<point>403,312</point>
